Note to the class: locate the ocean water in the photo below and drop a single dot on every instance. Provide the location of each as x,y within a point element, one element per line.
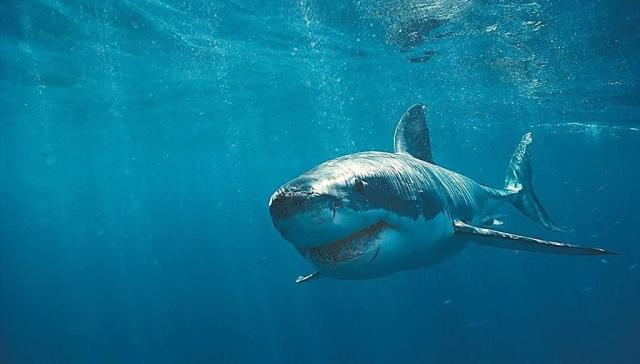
<point>140,142</point>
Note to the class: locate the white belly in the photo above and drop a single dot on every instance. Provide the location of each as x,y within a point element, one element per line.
<point>419,243</point>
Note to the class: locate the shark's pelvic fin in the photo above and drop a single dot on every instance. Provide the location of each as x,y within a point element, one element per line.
<point>504,240</point>
<point>302,279</point>
<point>492,221</point>
<point>412,134</point>
<point>519,183</point>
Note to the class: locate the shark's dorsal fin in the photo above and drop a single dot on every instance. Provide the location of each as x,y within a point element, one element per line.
<point>412,134</point>
<point>499,239</point>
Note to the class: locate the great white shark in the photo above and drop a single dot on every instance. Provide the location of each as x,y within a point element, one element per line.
<point>370,214</point>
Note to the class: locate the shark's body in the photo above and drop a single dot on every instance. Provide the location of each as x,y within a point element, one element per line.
<point>370,214</point>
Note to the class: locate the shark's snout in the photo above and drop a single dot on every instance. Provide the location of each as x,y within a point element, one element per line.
<point>286,202</point>
<point>301,214</point>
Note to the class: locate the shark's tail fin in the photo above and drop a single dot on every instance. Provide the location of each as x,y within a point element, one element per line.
<point>518,182</point>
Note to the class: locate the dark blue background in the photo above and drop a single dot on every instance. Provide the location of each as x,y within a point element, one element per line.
<point>140,141</point>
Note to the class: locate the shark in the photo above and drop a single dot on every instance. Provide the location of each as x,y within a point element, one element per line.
<point>370,214</point>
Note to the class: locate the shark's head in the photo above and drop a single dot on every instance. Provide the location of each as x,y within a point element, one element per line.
<point>327,213</point>
<point>324,205</point>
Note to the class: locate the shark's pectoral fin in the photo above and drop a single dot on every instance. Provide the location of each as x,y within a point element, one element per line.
<point>412,134</point>
<point>504,240</point>
<point>302,279</point>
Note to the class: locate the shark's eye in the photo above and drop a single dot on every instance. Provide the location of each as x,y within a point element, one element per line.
<point>359,185</point>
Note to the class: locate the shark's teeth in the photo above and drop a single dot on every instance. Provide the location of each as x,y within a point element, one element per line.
<point>347,249</point>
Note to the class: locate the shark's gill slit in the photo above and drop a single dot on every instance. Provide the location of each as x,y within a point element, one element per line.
<point>375,255</point>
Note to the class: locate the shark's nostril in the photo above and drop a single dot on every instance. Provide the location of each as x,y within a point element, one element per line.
<point>285,202</point>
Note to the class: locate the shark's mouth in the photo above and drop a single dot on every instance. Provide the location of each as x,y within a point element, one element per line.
<point>355,246</point>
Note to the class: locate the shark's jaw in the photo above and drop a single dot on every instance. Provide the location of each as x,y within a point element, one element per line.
<point>361,246</point>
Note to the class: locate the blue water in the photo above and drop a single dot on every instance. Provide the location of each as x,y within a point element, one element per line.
<point>140,142</point>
